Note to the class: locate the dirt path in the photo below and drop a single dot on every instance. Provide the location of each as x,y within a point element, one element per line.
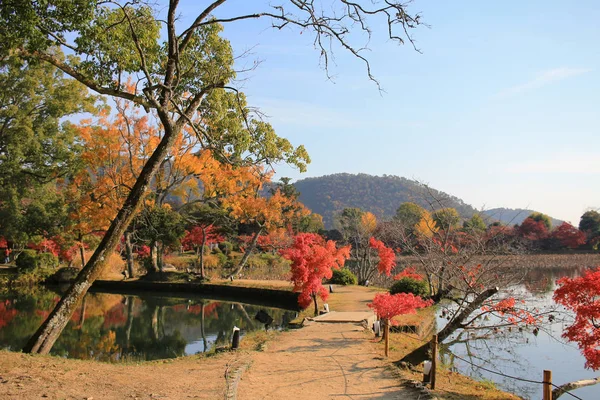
<point>319,361</point>
<point>322,361</point>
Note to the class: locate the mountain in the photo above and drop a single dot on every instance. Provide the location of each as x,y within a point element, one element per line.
<point>380,195</point>
<point>511,216</point>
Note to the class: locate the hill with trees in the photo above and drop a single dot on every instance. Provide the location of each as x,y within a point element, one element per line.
<point>380,195</point>
<point>511,216</point>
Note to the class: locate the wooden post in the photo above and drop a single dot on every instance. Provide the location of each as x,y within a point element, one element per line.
<point>235,341</point>
<point>386,332</point>
<point>434,345</point>
<point>547,388</point>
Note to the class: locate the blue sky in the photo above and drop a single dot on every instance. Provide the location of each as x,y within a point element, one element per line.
<point>500,109</point>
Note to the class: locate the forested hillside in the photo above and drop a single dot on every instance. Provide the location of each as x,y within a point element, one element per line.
<point>511,216</point>
<point>380,195</point>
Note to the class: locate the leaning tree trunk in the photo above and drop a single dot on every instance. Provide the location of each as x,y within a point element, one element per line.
<point>44,338</point>
<point>420,354</point>
<point>129,254</point>
<point>247,253</point>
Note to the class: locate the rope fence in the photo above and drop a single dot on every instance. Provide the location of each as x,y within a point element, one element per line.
<point>547,383</point>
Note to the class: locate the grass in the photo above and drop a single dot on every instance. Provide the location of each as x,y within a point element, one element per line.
<point>449,385</point>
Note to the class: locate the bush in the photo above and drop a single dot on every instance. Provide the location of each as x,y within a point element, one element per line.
<point>27,261</point>
<point>66,274</point>
<point>343,277</point>
<point>226,247</point>
<point>217,250</point>
<point>410,285</point>
<point>47,260</point>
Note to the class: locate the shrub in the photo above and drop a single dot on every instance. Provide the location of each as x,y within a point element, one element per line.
<point>226,247</point>
<point>217,250</point>
<point>47,260</point>
<point>66,274</point>
<point>27,261</point>
<point>222,258</point>
<point>410,285</point>
<point>343,277</point>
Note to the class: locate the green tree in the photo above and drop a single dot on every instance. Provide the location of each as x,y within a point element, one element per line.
<point>475,224</point>
<point>590,223</point>
<point>539,217</point>
<point>446,218</point>
<point>410,214</point>
<point>35,147</point>
<point>184,77</point>
<point>160,227</point>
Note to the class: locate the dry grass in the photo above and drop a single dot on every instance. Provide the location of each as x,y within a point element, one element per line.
<point>449,385</point>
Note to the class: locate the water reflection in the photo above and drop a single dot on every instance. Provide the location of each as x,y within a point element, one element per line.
<point>112,327</point>
<point>523,353</point>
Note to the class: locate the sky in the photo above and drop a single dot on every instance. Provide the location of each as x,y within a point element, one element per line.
<point>499,107</point>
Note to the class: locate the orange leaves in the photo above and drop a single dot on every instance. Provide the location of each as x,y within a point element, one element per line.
<point>410,272</point>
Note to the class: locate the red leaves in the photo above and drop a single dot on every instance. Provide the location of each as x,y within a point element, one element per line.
<point>568,235</point>
<point>410,272</point>
<point>387,306</point>
<point>313,259</point>
<point>387,257</point>
<point>581,295</point>
<point>532,229</point>
<point>198,234</point>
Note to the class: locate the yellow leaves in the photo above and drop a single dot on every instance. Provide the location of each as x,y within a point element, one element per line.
<point>368,222</point>
<point>426,226</point>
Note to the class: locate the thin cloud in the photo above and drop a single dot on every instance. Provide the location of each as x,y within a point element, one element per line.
<point>308,115</point>
<point>544,78</point>
<point>583,163</point>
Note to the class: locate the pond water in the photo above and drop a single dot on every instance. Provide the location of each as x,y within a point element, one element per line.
<point>114,327</point>
<point>524,354</point>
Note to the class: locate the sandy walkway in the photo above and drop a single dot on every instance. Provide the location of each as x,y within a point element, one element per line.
<point>321,361</point>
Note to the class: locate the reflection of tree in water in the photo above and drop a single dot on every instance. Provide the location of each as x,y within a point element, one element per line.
<point>494,351</point>
<point>111,327</point>
<point>541,281</point>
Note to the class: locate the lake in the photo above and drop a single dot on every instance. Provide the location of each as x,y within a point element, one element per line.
<point>524,354</point>
<point>114,327</point>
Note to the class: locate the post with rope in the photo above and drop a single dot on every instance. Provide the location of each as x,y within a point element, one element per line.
<point>434,348</point>
<point>547,385</point>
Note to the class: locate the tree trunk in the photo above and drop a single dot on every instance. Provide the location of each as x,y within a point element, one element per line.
<point>44,338</point>
<point>568,387</point>
<point>81,250</point>
<point>129,254</point>
<point>202,253</point>
<point>314,296</point>
<point>420,354</point>
<point>244,259</point>
<point>154,256</point>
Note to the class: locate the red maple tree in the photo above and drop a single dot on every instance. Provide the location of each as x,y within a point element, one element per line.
<point>387,257</point>
<point>569,236</point>
<point>387,306</point>
<point>313,259</point>
<point>582,296</point>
